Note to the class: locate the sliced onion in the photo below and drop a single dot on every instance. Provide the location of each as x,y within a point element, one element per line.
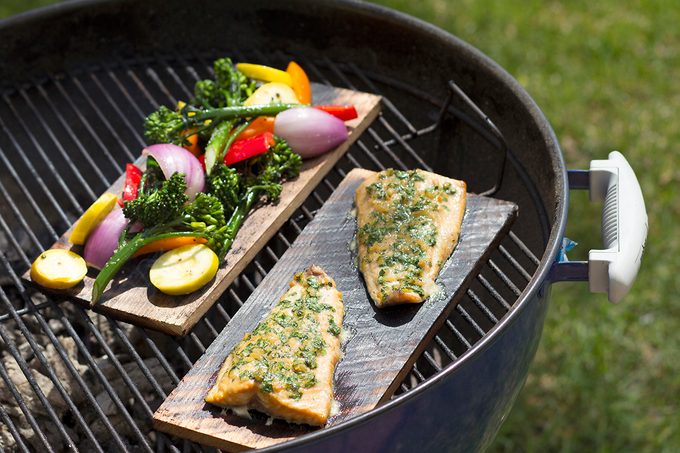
<point>310,131</point>
<point>175,159</point>
<point>103,240</point>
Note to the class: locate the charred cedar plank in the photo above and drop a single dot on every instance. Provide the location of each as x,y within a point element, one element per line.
<point>132,298</point>
<point>382,344</point>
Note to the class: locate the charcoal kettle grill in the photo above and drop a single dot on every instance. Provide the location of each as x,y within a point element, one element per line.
<point>76,81</point>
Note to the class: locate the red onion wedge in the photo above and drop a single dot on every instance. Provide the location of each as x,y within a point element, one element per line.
<point>310,131</point>
<point>103,240</point>
<point>175,159</point>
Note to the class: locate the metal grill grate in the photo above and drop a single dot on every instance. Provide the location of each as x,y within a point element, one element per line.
<point>72,379</point>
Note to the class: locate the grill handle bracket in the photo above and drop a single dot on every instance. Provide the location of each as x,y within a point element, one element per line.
<point>613,269</point>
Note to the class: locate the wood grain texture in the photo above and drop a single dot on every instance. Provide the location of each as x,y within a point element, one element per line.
<point>131,297</point>
<point>381,346</point>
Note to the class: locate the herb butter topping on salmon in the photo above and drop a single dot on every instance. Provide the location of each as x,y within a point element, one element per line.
<point>408,225</point>
<point>285,366</point>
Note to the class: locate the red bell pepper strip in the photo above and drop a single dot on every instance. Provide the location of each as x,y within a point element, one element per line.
<point>250,147</point>
<point>343,112</point>
<point>133,177</point>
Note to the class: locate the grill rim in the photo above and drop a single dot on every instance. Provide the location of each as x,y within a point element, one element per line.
<point>540,278</point>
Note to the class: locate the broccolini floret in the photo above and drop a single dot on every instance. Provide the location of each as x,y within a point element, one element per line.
<point>229,88</point>
<point>157,207</point>
<point>225,184</point>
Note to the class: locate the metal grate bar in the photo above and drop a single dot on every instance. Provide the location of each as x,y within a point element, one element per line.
<point>23,366</point>
<point>45,160</point>
<point>66,127</point>
<point>416,372</point>
<point>114,105</point>
<point>161,357</point>
<point>387,102</point>
<point>12,239</point>
<point>31,201</point>
<point>457,333</point>
<point>82,348</point>
<point>235,297</point>
<point>85,319</point>
<point>478,302</point>
<point>412,131</point>
<point>140,86</point>
<point>153,75</point>
<point>66,156</point>
<point>223,313</point>
<point>196,341</point>
<point>34,174</point>
<point>37,350</point>
<point>494,293</point>
<point>431,360</point>
<point>370,155</point>
<point>497,270</point>
<point>137,358</point>
<point>210,327</point>
<point>7,420</point>
<point>444,347</point>
<point>470,319</point>
<point>55,342</point>
<point>381,144</point>
<point>173,75</point>
<point>127,95</point>
<point>85,123</point>
<point>22,405</point>
<point>528,253</point>
<point>518,267</point>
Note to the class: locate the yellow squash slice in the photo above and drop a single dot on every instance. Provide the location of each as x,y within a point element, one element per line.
<point>184,270</point>
<point>58,269</point>
<point>272,93</point>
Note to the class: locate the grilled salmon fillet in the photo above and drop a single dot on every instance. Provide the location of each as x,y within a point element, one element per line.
<point>408,223</point>
<point>285,366</point>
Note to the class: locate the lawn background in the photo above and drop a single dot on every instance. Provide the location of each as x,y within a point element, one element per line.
<point>607,75</point>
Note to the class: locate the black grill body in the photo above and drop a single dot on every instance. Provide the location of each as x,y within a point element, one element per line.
<point>76,81</point>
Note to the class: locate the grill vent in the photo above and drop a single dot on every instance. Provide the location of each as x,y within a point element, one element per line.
<point>610,220</point>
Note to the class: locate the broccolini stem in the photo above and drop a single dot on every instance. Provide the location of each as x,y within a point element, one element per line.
<point>251,197</point>
<point>226,113</point>
<point>220,142</point>
<point>124,253</point>
<point>216,145</point>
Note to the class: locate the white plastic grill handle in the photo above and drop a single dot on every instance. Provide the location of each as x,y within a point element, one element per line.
<point>624,226</point>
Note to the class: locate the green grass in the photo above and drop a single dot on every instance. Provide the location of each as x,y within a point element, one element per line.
<point>607,75</point>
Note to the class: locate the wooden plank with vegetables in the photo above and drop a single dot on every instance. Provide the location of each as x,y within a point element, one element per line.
<point>222,173</point>
<point>381,344</point>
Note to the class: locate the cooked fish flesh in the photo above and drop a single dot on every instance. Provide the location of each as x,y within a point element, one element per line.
<point>408,223</point>
<point>285,366</point>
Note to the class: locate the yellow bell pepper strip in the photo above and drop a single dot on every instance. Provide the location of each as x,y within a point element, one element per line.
<point>163,245</point>
<point>300,83</point>
<point>265,73</point>
<point>58,269</point>
<point>92,217</point>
